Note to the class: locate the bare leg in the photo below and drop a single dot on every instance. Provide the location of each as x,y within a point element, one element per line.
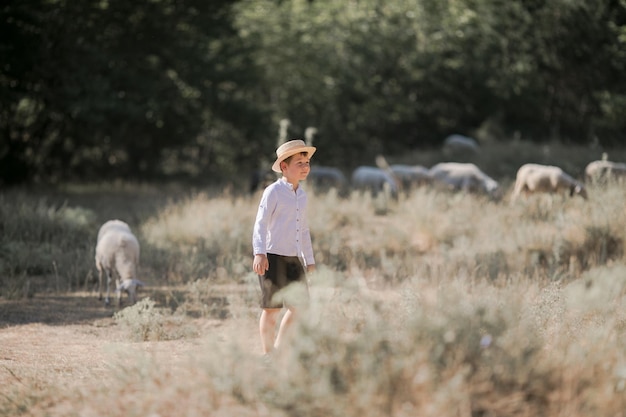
<point>267,328</point>
<point>285,324</point>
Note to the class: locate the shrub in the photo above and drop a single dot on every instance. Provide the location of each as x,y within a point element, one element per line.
<point>144,321</point>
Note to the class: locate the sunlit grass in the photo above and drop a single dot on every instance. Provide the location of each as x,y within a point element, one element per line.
<point>446,305</point>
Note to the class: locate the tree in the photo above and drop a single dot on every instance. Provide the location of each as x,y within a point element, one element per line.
<point>116,88</point>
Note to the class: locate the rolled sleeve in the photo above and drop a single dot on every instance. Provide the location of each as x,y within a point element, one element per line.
<point>259,233</point>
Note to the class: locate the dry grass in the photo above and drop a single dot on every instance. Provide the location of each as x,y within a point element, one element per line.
<point>446,305</point>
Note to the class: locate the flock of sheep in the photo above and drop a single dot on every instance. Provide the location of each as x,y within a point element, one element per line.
<point>467,177</point>
<point>458,176</point>
<point>117,248</point>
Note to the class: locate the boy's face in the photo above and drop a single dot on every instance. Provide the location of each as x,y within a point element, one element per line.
<point>297,168</point>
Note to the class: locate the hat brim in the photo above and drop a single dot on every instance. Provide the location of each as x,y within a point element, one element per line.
<point>310,150</point>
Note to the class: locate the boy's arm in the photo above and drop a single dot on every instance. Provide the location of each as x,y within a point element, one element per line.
<point>259,230</point>
<point>260,264</point>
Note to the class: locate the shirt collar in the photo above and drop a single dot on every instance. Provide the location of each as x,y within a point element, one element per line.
<point>287,183</point>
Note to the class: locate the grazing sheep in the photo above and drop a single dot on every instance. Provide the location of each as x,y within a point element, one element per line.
<point>374,180</point>
<point>411,176</point>
<point>324,178</point>
<point>459,144</point>
<point>536,178</point>
<point>603,170</point>
<point>117,252</point>
<point>465,177</point>
<point>112,225</point>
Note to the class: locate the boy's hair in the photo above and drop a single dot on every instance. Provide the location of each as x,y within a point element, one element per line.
<point>288,160</point>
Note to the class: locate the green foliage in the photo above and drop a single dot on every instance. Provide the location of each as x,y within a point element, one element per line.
<point>402,75</point>
<point>194,89</point>
<point>114,89</point>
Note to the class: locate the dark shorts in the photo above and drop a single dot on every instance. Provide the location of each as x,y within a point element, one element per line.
<point>284,283</point>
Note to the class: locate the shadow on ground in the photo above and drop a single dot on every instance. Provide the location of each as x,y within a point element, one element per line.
<point>84,307</point>
<point>53,310</point>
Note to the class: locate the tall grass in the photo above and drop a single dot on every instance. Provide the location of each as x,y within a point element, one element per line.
<point>43,245</point>
<point>446,305</point>
<point>455,347</point>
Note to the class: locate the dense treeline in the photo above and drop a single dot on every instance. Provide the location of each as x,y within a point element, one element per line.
<point>192,89</point>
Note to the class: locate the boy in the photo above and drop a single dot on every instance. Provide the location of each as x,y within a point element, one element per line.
<point>281,240</point>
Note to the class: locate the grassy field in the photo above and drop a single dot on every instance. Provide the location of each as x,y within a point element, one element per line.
<point>438,304</point>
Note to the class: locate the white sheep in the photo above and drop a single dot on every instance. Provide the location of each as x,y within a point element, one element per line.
<point>604,170</point>
<point>465,177</point>
<point>112,225</point>
<point>117,253</point>
<point>536,178</point>
<point>411,176</point>
<point>326,177</point>
<point>374,180</point>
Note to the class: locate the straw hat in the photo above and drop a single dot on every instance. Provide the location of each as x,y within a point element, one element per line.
<point>290,148</point>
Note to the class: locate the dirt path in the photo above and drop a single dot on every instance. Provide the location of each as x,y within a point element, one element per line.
<point>73,336</point>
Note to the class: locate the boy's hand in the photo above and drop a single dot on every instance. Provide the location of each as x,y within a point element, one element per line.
<point>260,264</point>
<point>310,268</point>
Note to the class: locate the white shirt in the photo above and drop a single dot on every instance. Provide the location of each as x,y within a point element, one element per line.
<point>281,226</point>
